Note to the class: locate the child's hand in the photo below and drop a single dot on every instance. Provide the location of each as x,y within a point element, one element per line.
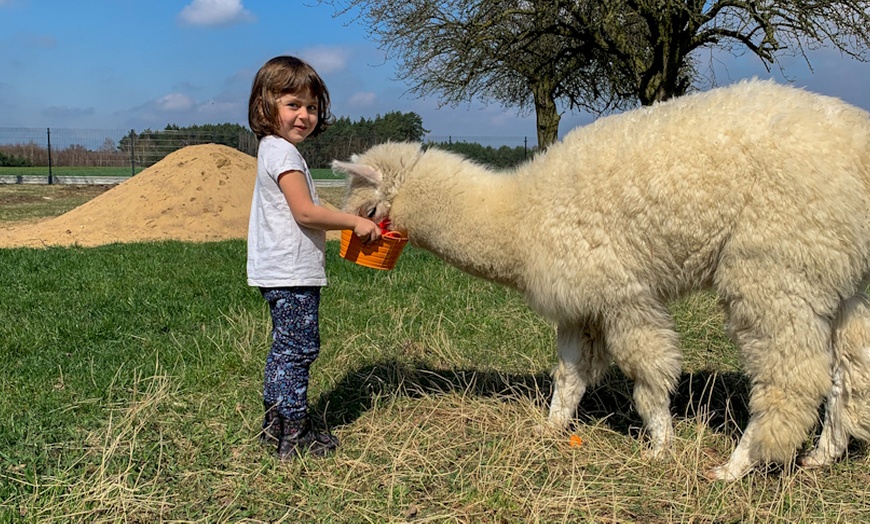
<point>367,231</point>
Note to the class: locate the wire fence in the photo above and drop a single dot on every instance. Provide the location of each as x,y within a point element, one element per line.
<point>55,149</point>
<point>28,154</point>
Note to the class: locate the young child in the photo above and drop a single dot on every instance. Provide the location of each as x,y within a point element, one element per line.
<point>286,245</point>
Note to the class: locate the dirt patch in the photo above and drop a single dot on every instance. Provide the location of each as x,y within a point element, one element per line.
<point>55,192</point>
<point>10,200</point>
<point>200,193</point>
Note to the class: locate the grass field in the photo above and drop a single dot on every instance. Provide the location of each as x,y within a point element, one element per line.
<point>131,380</point>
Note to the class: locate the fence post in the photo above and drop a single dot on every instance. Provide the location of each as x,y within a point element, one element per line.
<point>132,154</point>
<point>48,135</point>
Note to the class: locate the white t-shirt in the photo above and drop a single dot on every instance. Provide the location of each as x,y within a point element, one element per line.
<point>281,253</point>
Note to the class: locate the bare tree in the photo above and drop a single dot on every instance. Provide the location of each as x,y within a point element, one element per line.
<point>517,54</point>
<point>596,56</point>
<point>671,32</point>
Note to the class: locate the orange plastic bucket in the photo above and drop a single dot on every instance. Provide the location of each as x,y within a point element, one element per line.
<point>382,254</point>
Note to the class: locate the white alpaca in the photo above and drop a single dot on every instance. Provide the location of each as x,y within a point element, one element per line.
<point>759,191</point>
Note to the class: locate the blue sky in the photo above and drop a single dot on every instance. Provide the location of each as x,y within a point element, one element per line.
<point>136,64</point>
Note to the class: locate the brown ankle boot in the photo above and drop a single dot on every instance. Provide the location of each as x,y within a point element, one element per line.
<point>297,438</point>
<point>271,433</point>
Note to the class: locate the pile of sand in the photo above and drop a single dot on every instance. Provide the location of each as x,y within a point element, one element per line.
<point>199,194</point>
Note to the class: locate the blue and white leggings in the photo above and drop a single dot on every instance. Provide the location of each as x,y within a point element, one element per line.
<point>295,346</point>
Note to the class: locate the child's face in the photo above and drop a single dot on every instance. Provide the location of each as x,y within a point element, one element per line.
<point>297,116</point>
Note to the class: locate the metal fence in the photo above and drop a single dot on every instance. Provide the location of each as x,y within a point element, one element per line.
<point>51,152</point>
<point>54,148</point>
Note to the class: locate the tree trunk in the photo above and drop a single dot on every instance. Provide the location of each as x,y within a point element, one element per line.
<point>670,33</point>
<point>547,115</point>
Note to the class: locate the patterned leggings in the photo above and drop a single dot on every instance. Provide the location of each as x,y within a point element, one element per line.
<point>295,345</point>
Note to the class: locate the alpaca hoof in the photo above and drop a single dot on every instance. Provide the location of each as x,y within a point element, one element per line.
<point>558,421</point>
<point>654,453</point>
<point>737,467</point>
<point>721,473</point>
<point>550,427</point>
<point>661,438</point>
<point>729,472</point>
<point>541,429</point>
<point>812,461</point>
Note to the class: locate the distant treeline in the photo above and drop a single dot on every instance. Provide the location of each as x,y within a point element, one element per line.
<point>341,140</point>
<point>345,138</point>
<point>503,157</point>
<point>32,154</point>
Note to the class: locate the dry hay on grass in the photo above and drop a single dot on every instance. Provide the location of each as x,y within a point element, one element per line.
<point>199,193</point>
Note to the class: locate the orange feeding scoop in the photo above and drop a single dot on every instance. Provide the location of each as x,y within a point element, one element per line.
<point>382,254</point>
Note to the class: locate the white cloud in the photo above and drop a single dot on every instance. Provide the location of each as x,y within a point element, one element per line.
<point>174,102</point>
<point>361,100</point>
<point>325,60</point>
<point>215,13</point>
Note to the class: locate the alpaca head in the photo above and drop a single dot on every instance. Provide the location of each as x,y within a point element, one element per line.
<point>375,178</point>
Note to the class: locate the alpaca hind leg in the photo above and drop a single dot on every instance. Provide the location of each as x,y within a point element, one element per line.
<point>582,362</point>
<point>785,347</point>
<point>834,438</point>
<point>847,412</point>
<point>644,345</point>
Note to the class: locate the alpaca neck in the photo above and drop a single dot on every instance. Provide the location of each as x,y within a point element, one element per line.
<point>465,215</point>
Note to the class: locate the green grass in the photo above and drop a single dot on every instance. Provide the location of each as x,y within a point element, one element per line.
<point>131,381</point>
<point>325,174</point>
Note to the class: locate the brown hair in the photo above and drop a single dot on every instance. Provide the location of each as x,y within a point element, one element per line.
<point>280,76</point>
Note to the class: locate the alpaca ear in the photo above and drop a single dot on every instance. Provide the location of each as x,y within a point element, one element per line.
<point>358,170</point>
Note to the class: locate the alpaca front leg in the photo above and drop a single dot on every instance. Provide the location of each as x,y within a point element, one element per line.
<point>582,362</point>
<point>643,343</point>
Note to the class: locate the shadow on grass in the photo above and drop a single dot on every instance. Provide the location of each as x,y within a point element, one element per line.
<point>721,399</point>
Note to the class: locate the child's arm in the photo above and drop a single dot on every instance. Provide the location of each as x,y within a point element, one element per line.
<point>309,214</point>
